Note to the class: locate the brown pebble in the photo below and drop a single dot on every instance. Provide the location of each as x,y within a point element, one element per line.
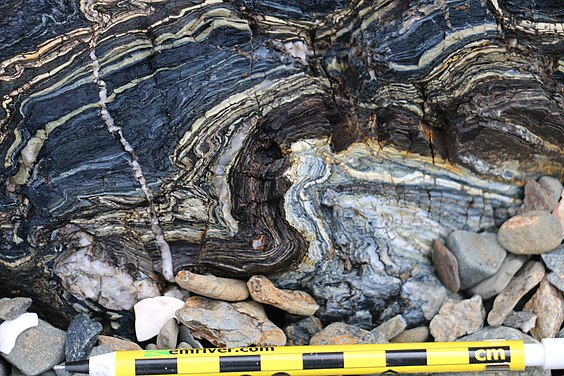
<point>229,289</point>
<point>339,333</point>
<point>446,266</point>
<point>297,302</point>
<point>536,198</point>
<point>548,305</point>
<point>118,344</point>
<point>526,278</point>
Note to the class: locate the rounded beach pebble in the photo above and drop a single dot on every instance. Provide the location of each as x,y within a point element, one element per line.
<point>530,233</point>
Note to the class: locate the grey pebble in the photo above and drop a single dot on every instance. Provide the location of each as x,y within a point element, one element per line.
<point>185,335</point>
<point>554,260</point>
<point>560,334</point>
<point>391,328</point>
<point>557,280</point>
<point>183,345</point>
<point>496,283</point>
<point>479,256</point>
<point>42,339</point>
<point>552,186</point>
<point>151,346</point>
<point>168,335</point>
<point>12,308</point>
<point>300,333</point>
<point>525,321</point>
<point>82,335</point>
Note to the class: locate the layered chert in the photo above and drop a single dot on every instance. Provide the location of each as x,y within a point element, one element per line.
<point>132,130</point>
<point>370,215</point>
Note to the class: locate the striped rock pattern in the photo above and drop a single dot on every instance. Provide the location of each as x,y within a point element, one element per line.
<point>151,136</point>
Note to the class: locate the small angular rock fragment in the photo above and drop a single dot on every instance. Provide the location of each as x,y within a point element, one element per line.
<point>82,335</point>
<point>496,283</point>
<point>12,308</point>
<point>532,232</point>
<point>446,266</point>
<point>225,324</point>
<point>537,198</point>
<point>479,256</point>
<point>300,333</point>
<point>526,278</point>
<point>168,336</point>
<point>391,328</point>
<point>457,318</point>
<point>548,305</point>
<point>228,289</point>
<point>42,339</point>
<point>339,333</point>
<point>419,334</point>
<point>525,321</point>
<point>296,302</point>
<point>117,344</point>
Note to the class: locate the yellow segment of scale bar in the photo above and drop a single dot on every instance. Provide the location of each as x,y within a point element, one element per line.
<point>348,359</point>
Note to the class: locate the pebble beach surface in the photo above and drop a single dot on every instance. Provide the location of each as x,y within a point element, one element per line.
<point>503,285</point>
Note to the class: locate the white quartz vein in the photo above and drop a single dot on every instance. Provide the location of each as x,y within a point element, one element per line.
<point>116,131</point>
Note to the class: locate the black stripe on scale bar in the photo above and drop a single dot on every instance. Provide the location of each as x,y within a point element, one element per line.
<point>156,366</point>
<point>323,360</point>
<point>242,363</point>
<point>395,358</point>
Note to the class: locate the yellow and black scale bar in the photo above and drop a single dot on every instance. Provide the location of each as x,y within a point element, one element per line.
<point>326,360</point>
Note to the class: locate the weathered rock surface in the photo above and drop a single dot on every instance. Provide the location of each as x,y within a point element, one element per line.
<point>526,278</point>
<point>548,304</point>
<point>558,212</point>
<point>525,321</point>
<point>479,256</point>
<point>457,318</point>
<point>81,337</point>
<point>533,232</point>
<point>419,334</point>
<point>446,266</point>
<point>12,308</point>
<point>43,339</point>
<point>496,283</point>
<point>230,324</point>
<point>297,302</point>
<point>339,333</point>
<point>300,333</point>
<point>229,289</point>
<point>185,335</point>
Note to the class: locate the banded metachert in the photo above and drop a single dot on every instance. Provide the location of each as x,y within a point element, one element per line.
<point>257,137</point>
